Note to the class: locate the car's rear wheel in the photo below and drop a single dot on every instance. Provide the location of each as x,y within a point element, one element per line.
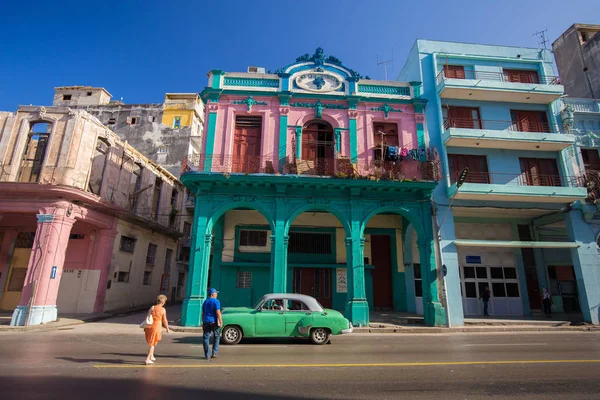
<point>319,335</point>
<point>231,335</point>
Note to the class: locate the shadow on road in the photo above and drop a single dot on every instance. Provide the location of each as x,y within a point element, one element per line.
<point>67,388</point>
<point>101,360</point>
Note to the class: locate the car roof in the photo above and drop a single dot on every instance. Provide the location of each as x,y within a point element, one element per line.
<point>311,302</point>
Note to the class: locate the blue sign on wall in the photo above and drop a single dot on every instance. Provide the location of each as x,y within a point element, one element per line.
<point>53,273</point>
<point>473,259</point>
<point>45,217</point>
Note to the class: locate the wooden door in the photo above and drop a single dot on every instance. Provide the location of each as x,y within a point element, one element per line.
<point>246,144</point>
<point>591,160</point>
<point>521,76</point>
<point>381,255</point>
<point>464,117</point>
<point>315,282</point>
<point>454,71</point>
<point>540,172</point>
<point>530,121</point>
<point>478,170</point>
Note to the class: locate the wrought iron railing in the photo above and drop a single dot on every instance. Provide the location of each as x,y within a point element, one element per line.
<point>499,76</point>
<point>422,165</point>
<point>583,105</point>
<point>592,183</point>
<point>515,126</point>
<point>523,179</point>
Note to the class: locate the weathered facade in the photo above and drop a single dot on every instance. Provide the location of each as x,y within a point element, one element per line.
<point>577,53</point>
<point>87,223</point>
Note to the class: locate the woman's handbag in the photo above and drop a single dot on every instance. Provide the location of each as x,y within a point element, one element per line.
<point>149,320</point>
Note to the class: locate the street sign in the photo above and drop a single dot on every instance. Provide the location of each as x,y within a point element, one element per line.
<point>41,218</point>
<point>53,273</point>
<point>473,259</point>
<point>444,269</point>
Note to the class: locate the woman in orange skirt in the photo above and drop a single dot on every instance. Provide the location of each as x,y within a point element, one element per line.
<point>154,332</point>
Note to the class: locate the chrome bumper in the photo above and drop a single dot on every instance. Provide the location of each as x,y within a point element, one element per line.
<point>349,330</point>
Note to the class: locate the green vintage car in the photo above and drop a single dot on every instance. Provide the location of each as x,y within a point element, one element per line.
<point>283,315</point>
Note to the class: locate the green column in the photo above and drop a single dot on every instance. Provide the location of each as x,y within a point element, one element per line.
<point>353,141</point>
<point>420,134</point>
<point>217,254</point>
<point>357,307</point>
<point>279,249</point>
<point>283,122</point>
<point>191,312</point>
<point>211,128</point>
<point>298,143</point>
<point>433,312</point>
<point>521,270</point>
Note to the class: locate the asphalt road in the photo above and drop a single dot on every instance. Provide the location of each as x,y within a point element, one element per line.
<point>105,361</point>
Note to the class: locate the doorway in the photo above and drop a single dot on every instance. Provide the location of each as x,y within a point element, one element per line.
<point>318,147</point>
<point>19,255</point>
<point>314,282</point>
<point>246,144</point>
<point>564,284</point>
<point>381,256</point>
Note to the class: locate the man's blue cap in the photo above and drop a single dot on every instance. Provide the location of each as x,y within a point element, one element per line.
<point>212,290</point>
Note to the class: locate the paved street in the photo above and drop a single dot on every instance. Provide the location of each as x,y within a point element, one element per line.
<point>104,360</point>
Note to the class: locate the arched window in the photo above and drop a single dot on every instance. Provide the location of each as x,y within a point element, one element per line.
<point>318,146</point>
<point>35,152</point>
<point>98,165</point>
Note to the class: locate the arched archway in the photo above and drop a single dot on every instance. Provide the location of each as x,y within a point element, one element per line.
<point>316,253</point>
<point>239,205</point>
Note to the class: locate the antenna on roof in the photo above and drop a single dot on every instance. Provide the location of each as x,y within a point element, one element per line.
<point>542,41</point>
<point>385,63</point>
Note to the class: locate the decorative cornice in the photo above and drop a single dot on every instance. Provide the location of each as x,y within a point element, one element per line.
<point>318,107</point>
<point>213,107</point>
<point>250,102</point>
<point>243,198</point>
<point>386,109</point>
<point>318,200</point>
<point>284,110</point>
<point>320,59</point>
<point>353,114</point>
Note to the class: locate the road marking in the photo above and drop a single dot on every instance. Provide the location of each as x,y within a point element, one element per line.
<point>401,364</point>
<point>505,344</point>
<point>248,346</point>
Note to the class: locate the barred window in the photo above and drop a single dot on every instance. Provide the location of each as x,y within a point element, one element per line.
<point>253,238</point>
<point>310,243</point>
<point>244,280</point>
<point>151,255</point>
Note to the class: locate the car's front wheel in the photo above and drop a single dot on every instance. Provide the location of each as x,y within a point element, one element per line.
<point>231,335</point>
<point>319,335</point>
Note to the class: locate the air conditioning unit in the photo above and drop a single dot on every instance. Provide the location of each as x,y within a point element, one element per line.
<point>256,70</point>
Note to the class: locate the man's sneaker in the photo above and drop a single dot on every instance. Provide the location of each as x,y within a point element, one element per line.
<point>214,356</point>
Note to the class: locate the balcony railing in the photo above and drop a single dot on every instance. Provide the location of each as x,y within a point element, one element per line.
<point>523,179</point>
<point>500,77</point>
<point>422,165</point>
<point>583,105</point>
<point>470,123</point>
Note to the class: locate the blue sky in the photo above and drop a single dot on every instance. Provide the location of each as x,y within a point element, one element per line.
<point>140,50</point>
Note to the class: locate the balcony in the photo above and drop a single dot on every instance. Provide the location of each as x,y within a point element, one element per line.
<point>491,134</point>
<point>518,187</point>
<point>496,86</point>
<point>583,105</point>
<point>417,165</point>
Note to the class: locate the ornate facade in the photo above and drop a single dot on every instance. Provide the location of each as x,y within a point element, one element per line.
<point>313,179</point>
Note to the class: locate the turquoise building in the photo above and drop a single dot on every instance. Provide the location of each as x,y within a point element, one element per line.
<point>314,180</point>
<point>517,224</point>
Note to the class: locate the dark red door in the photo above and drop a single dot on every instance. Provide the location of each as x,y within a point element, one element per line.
<point>464,117</point>
<point>246,144</point>
<point>454,71</point>
<point>521,76</point>
<point>540,172</point>
<point>382,274</point>
<point>314,282</point>
<point>530,121</point>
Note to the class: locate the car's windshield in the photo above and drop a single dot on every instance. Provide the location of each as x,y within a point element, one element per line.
<point>258,303</point>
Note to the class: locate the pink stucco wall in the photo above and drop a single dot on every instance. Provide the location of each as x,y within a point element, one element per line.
<point>270,113</point>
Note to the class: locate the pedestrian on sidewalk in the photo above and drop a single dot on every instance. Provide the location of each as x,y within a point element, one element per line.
<point>485,296</point>
<point>154,332</point>
<point>547,303</point>
<point>212,322</point>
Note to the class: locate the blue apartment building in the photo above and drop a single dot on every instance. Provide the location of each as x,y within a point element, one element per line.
<point>518,224</point>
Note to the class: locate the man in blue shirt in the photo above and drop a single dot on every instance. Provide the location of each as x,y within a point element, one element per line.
<point>211,323</point>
